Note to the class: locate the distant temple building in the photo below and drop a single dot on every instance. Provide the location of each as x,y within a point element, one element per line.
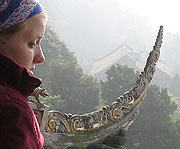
<point>124,55</point>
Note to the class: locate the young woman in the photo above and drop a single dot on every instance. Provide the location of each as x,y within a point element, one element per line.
<point>22,26</point>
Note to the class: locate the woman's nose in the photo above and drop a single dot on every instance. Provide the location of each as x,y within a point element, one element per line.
<point>39,56</point>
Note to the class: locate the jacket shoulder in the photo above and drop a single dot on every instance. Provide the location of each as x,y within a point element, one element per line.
<point>13,97</point>
<point>9,93</point>
<point>17,120</point>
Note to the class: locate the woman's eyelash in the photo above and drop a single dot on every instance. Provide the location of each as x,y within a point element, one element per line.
<point>31,44</point>
<point>35,43</point>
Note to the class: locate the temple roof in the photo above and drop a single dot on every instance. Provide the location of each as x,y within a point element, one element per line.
<point>124,53</point>
<point>110,59</point>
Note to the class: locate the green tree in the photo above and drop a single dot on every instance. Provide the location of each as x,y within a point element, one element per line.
<point>62,76</point>
<point>78,91</point>
<point>55,50</point>
<point>153,127</point>
<point>119,79</point>
<point>174,86</point>
<point>54,102</point>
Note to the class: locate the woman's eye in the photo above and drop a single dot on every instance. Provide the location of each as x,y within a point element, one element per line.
<point>32,44</point>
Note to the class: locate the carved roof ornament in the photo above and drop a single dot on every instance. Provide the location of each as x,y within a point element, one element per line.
<point>67,129</point>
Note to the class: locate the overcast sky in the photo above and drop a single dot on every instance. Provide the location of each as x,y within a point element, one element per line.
<point>158,12</point>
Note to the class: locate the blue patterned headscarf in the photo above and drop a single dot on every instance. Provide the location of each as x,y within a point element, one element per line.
<point>15,11</point>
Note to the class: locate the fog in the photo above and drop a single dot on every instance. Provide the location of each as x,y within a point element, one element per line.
<point>94,28</point>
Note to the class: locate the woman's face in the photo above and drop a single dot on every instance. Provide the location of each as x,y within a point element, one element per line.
<point>24,46</point>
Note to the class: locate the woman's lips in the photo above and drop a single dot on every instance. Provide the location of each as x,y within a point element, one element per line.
<point>31,72</point>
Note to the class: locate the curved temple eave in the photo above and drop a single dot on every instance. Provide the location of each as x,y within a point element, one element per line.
<point>111,113</point>
<point>120,114</point>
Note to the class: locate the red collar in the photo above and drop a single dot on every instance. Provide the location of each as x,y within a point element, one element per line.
<point>17,76</point>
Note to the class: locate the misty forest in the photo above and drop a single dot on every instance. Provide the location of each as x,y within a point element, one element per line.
<point>72,74</point>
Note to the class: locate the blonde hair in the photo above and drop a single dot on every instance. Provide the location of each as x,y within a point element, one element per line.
<point>16,28</point>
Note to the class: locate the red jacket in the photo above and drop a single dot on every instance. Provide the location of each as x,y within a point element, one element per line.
<point>19,128</point>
